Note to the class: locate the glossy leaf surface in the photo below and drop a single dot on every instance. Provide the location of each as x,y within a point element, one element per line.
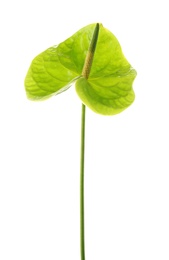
<point>108,87</point>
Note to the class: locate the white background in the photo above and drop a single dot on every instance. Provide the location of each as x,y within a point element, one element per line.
<point>127,165</point>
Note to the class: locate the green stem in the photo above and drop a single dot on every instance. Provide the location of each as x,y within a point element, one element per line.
<point>85,74</point>
<point>82,230</point>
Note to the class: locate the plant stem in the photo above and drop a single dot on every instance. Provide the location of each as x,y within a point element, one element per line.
<point>82,230</point>
<point>85,74</point>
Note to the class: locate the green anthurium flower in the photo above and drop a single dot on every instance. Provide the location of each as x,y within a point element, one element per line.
<point>92,59</point>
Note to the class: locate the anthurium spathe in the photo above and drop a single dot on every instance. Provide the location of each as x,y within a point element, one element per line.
<point>92,59</point>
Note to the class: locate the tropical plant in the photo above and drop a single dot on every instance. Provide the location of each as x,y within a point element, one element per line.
<point>92,59</point>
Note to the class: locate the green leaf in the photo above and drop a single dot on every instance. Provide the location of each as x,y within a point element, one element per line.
<point>93,59</point>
